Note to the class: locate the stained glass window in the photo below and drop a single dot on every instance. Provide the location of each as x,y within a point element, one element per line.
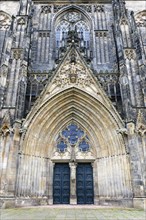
<point>73,135</point>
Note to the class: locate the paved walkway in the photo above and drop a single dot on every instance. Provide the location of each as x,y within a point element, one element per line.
<point>72,213</point>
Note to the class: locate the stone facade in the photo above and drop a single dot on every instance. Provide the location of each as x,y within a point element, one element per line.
<point>73,63</point>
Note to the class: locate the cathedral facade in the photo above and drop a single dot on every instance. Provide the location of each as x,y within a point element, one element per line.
<point>73,102</point>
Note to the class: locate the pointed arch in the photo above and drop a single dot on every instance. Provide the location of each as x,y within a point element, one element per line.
<point>73,104</point>
<point>71,8</point>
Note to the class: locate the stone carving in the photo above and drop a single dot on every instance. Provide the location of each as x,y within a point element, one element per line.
<point>101,33</point>
<point>17,53</point>
<point>46,9</point>
<point>4,187</point>
<point>72,144</point>
<point>58,7</point>
<point>107,78</point>
<point>73,72</point>
<point>23,71</point>
<point>124,21</point>
<point>5,20</point>
<point>67,154</point>
<point>73,16</point>
<point>141,19</point>
<point>122,131</point>
<point>21,21</point>
<point>5,130</point>
<point>98,8</point>
<point>86,8</point>
<point>140,124</point>
<point>130,54</point>
<point>3,75</point>
<point>6,127</point>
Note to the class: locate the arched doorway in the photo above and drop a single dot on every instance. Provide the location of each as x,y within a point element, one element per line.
<point>111,172</point>
<point>73,179</point>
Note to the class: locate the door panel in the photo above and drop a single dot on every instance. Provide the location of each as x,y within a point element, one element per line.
<point>61,184</point>
<point>85,193</point>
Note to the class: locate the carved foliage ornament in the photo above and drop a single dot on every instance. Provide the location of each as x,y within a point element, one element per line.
<point>130,54</point>
<point>17,53</point>
<point>141,18</point>
<point>46,9</point>
<point>3,75</point>
<point>21,21</point>
<point>141,124</point>
<point>5,20</point>
<point>99,8</point>
<point>73,73</point>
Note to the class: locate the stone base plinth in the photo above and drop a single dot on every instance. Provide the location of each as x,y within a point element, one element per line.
<point>6,203</point>
<point>22,202</point>
<point>139,203</point>
<point>116,202</point>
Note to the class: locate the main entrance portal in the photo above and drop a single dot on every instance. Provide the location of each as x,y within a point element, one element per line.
<point>61,184</point>
<point>84,180</point>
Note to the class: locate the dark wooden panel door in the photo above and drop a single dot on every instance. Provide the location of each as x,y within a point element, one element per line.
<point>61,184</point>
<point>85,194</point>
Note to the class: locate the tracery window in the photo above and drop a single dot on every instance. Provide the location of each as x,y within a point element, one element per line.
<point>72,27</point>
<point>141,23</point>
<point>73,135</point>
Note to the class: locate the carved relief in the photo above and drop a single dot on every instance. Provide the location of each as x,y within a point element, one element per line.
<point>99,8</point>
<point>6,128</point>
<point>3,75</point>
<point>101,33</point>
<point>5,20</point>
<point>123,21</point>
<point>72,16</point>
<point>73,72</point>
<point>4,187</point>
<point>58,7</point>
<point>141,19</point>
<point>140,125</point>
<point>17,53</point>
<point>46,9</point>
<point>130,54</point>
<point>21,21</point>
<point>87,8</point>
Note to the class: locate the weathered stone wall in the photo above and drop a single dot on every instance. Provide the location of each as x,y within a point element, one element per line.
<point>108,66</point>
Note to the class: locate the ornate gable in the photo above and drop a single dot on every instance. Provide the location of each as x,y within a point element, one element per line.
<point>74,72</point>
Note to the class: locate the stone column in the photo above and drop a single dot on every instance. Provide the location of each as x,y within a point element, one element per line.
<point>73,196</point>
<point>136,166</point>
<point>95,182</point>
<point>50,181</point>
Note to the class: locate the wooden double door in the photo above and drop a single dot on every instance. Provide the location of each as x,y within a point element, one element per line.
<point>84,184</point>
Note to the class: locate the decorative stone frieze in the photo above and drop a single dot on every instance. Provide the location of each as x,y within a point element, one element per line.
<point>58,7</point>
<point>99,8</point>
<point>46,9</point>
<point>21,21</point>
<point>5,20</point>
<point>141,18</point>
<point>140,124</point>
<point>17,53</point>
<point>130,54</point>
<point>101,33</point>
<point>87,8</point>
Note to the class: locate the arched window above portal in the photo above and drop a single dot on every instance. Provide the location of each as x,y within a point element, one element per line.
<point>73,27</point>
<point>73,136</point>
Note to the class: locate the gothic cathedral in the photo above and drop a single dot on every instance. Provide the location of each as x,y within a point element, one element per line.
<point>73,102</point>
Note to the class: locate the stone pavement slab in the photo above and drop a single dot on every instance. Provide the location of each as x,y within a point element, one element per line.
<point>72,213</point>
